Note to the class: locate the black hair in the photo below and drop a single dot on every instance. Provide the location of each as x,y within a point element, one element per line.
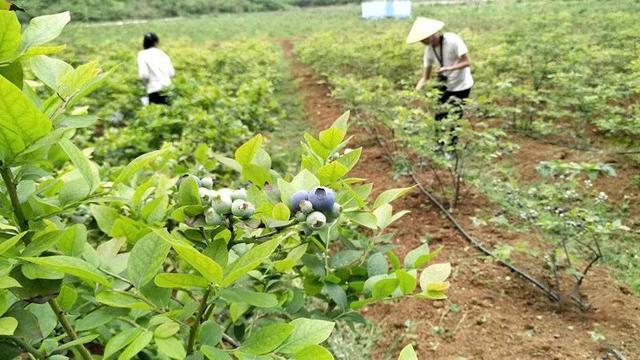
<point>150,40</point>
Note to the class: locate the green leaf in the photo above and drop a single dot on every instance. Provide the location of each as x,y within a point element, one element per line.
<point>99,317</point>
<point>140,342</point>
<point>89,172</point>
<point>121,300</point>
<point>419,256</point>
<point>331,138</point>
<point>350,159</point>
<point>70,265</point>
<point>292,259</point>
<point>436,273</point>
<point>377,264</point>
<point>281,212</point>
<point>342,122</point>
<point>14,73</point>
<point>202,263</point>
<point>210,333</point>
<point>49,70</point>
<point>43,29</point>
<point>180,281</point>
<point>254,298</point>
<point>79,341</point>
<point>391,195</point>
<point>230,163</point>
<point>331,172</point>
<point>21,124</point>
<point>313,352</point>
<point>256,174</point>
<point>408,353</point>
<point>385,217</point>
<point>307,332</point>
<point>424,259</point>
<point>344,258</point>
<point>213,353</point>
<point>249,261</point>
<point>146,259</point>
<point>384,288</point>
<point>67,297</point>
<point>8,325</point>
<point>8,282</point>
<point>336,293</point>
<point>166,329</point>
<point>10,243</point>
<point>364,218</point>
<point>407,282</point>
<point>188,192</point>
<point>138,164</point>
<point>317,147</point>
<point>105,217</point>
<point>73,82</point>
<point>120,340</point>
<point>171,347</point>
<point>247,151</point>
<point>10,35</point>
<point>155,210</point>
<point>267,338</point>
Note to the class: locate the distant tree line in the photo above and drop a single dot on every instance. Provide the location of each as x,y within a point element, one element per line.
<point>104,10</point>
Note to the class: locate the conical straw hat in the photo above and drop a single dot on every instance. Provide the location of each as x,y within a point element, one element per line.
<point>423,28</point>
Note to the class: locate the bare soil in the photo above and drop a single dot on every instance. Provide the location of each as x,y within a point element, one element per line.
<point>490,313</point>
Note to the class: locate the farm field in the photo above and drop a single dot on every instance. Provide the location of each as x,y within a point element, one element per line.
<point>177,232</point>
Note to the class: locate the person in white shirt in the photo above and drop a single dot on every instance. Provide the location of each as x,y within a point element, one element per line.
<point>154,69</point>
<point>449,52</point>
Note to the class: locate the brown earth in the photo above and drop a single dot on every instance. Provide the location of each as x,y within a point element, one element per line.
<point>490,313</point>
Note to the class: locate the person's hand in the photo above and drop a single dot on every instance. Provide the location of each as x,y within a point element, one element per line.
<point>443,69</point>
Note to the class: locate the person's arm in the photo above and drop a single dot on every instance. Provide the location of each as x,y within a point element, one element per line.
<point>426,75</point>
<point>143,69</point>
<point>172,71</point>
<point>462,62</point>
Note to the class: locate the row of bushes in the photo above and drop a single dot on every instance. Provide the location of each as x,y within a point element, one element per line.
<point>105,10</point>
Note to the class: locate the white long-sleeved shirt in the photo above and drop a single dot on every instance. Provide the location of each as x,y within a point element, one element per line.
<point>155,69</point>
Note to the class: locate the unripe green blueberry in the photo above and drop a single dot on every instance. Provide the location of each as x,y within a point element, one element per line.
<point>297,198</point>
<point>300,216</point>
<point>316,220</point>
<point>207,182</point>
<point>205,194</point>
<point>239,194</point>
<point>322,198</point>
<point>226,192</point>
<point>242,209</point>
<point>211,217</point>
<point>305,230</point>
<point>306,207</point>
<point>337,209</point>
<point>221,203</point>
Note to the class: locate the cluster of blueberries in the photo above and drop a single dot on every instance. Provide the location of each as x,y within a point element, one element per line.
<point>315,207</point>
<point>222,202</point>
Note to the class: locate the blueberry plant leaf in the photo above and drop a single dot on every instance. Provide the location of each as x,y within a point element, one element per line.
<point>80,160</point>
<point>336,293</point>
<point>408,353</point>
<point>213,353</point>
<point>146,259</point>
<point>8,325</point>
<point>43,29</point>
<point>140,342</point>
<point>391,195</point>
<point>171,347</point>
<point>331,172</point>
<point>331,137</point>
<point>247,151</point>
<point>120,341</point>
<point>249,261</point>
<point>180,281</point>
<point>21,124</point>
<point>436,273</point>
<point>72,266</point>
<point>11,37</point>
<point>313,352</point>
<point>267,339</point>
<point>307,332</point>
<point>258,299</point>
<point>138,164</point>
<point>49,70</point>
<point>14,73</point>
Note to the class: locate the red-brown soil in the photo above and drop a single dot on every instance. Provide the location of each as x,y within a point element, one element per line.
<point>490,313</point>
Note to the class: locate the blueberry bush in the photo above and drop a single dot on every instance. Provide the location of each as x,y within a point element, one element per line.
<point>158,260</point>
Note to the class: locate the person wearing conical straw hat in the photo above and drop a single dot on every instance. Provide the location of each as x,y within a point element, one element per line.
<point>449,53</point>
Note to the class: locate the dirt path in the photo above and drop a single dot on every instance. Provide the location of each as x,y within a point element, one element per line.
<point>489,313</point>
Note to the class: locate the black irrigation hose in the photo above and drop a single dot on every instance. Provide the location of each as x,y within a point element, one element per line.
<point>477,244</point>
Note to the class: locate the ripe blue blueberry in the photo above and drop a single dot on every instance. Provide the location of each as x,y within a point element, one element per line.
<point>298,197</point>
<point>322,198</point>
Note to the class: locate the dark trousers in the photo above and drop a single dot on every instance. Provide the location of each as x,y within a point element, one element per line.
<point>158,98</point>
<point>452,100</point>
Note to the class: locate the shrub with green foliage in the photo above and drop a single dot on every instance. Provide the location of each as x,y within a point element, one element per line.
<point>137,260</point>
